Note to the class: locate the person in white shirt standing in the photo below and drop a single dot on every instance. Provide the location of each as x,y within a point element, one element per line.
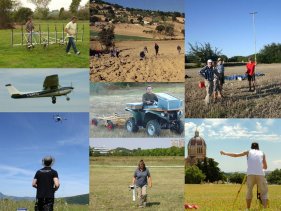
<point>71,30</point>
<point>256,162</point>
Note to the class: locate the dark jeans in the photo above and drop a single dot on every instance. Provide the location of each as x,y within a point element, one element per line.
<point>70,43</point>
<point>44,204</point>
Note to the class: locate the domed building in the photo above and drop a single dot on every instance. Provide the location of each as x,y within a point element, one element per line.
<point>196,149</point>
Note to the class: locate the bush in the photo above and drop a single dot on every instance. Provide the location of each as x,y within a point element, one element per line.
<point>193,175</point>
<point>274,177</point>
<point>236,178</point>
<point>106,36</point>
<point>160,28</point>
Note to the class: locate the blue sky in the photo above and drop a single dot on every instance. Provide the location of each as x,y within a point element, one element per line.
<point>132,143</point>
<point>236,135</point>
<point>32,80</point>
<point>228,26</point>
<point>26,138</point>
<point>162,5</point>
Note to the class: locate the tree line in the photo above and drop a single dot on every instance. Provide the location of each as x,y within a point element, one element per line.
<point>172,151</point>
<point>11,12</point>
<point>199,53</point>
<point>208,171</point>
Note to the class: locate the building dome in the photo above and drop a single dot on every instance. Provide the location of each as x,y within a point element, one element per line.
<point>196,140</point>
<point>196,149</point>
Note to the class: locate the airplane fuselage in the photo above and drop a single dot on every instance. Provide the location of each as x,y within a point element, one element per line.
<point>44,93</point>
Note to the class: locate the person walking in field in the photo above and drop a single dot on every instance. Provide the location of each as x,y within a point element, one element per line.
<point>145,49</point>
<point>156,47</point>
<point>46,182</point>
<point>251,65</point>
<point>219,80</point>
<point>29,28</point>
<point>141,180</point>
<point>149,98</point>
<point>71,31</point>
<point>179,49</point>
<point>208,73</point>
<point>256,163</point>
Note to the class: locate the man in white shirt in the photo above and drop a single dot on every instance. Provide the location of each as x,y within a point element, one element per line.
<point>255,172</point>
<point>71,30</point>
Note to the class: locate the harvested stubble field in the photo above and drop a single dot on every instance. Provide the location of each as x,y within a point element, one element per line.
<point>238,102</point>
<point>9,205</point>
<point>110,101</point>
<point>110,192</point>
<point>220,197</point>
<point>168,66</point>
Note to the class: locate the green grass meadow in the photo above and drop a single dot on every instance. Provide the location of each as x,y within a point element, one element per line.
<point>9,205</point>
<point>111,177</point>
<point>220,197</point>
<point>53,56</point>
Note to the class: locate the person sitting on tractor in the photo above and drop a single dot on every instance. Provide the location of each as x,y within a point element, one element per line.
<point>149,98</point>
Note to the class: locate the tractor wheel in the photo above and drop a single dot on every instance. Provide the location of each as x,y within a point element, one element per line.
<point>95,122</point>
<point>179,127</point>
<point>153,128</point>
<point>110,125</point>
<point>131,125</point>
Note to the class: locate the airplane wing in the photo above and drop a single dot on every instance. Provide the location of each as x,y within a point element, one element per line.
<point>51,82</point>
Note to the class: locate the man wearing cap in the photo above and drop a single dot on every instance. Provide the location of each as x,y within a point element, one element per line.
<point>46,182</point>
<point>256,163</point>
<point>251,65</point>
<point>208,72</point>
<point>71,30</point>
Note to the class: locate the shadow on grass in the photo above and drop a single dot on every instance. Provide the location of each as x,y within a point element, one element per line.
<point>151,204</point>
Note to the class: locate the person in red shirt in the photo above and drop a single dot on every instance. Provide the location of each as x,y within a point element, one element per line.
<point>251,65</point>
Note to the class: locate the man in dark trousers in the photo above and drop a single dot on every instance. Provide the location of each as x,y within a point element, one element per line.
<point>156,46</point>
<point>251,65</point>
<point>46,182</point>
<point>149,98</point>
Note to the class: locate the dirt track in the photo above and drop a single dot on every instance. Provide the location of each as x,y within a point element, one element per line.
<point>168,66</point>
<point>238,101</point>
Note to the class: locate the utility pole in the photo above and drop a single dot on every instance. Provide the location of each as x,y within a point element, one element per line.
<point>254,30</point>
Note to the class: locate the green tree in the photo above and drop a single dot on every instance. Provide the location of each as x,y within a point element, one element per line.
<point>160,28</point>
<point>236,178</point>
<point>202,52</point>
<point>61,13</point>
<point>6,7</point>
<point>210,169</point>
<point>274,177</point>
<point>270,54</point>
<point>22,14</point>
<point>74,6</point>
<point>42,9</point>
<point>193,175</point>
<point>170,29</point>
<point>106,36</point>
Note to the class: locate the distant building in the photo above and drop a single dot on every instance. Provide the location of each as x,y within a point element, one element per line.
<point>177,143</point>
<point>101,150</point>
<point>196,149</point>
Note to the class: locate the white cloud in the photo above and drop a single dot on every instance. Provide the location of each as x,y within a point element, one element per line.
<point>276,163</point>
<point>215,122</point>
<point>14,171</point>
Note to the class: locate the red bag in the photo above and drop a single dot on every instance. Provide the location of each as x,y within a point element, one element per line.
<point>201,85</point>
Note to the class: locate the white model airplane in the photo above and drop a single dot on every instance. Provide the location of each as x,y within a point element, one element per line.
<point>51,88</point>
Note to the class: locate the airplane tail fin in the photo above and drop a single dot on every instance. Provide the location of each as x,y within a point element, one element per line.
<point>12,90</point>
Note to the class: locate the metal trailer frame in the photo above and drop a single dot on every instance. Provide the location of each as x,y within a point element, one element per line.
<point>44,38</point>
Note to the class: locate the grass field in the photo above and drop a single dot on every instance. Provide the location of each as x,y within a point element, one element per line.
<point>52,56</point>
<point>220,197</point>
<point>114,100</point>
<point>238,101</point>
<point>8,205</point>
<point>109,183</point>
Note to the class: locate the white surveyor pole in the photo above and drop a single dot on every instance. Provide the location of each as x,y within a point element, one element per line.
<point>254,30</point>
